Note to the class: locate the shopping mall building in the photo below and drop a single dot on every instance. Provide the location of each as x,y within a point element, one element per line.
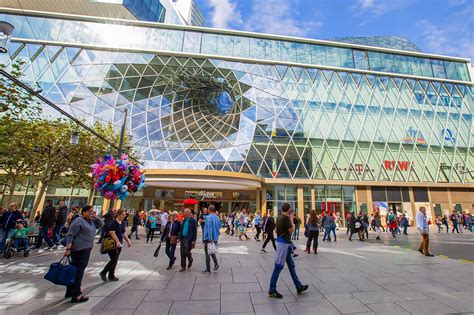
<point>252,120</point>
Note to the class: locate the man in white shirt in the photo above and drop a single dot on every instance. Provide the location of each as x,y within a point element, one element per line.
<point>422,226</point>
<point>164,219</point>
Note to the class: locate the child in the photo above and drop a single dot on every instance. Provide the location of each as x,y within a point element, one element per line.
<point>19,237</point>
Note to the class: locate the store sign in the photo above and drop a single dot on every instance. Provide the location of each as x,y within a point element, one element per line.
<point>447,135</point>
<point>203,195</point>
<point>414,136</point>
<point>460,168</point>
<point>398,165</point>
<point>357,168</point>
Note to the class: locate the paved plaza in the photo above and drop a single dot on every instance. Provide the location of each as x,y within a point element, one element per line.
<point>345,277</point>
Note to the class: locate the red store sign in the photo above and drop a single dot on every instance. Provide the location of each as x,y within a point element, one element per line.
<point>398,165</point>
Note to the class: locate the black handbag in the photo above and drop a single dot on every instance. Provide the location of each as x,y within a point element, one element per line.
<point>62,272</point>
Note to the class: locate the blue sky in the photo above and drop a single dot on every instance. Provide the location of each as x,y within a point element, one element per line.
<point>436,26</point>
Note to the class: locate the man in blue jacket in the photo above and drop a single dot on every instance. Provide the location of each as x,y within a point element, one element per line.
<point>211,235</point>
<point>188,237</point>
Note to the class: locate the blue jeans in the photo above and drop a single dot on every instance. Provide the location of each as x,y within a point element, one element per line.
<point>278,268</point>
<point>43,234</point>
<point>18,241</point>
<point>57,234</point>
<point>169,251</point>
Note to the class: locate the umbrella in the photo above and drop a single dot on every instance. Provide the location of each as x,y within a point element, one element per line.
<point>157,251</point>
<point>190,201</point>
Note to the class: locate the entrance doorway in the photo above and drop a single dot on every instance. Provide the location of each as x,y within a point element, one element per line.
<point>395,207</point>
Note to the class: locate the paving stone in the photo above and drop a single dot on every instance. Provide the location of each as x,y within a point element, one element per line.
<point>270,309</point>
<point>167,295</point>
<point>153,308</point>
<point>387,309</point>
<point>195,307</point>
<point>346,303</point>
<point>319,307</point>
<point>376,297</point>
<point>236,303</point>
<point>428,308</point>
<point>453,301</point>
<point>126,300</point>
<point>263,298</point>
<point>145,285</point>
<point>241,287</point>
<point>208,291</point>
<point>336,287</point>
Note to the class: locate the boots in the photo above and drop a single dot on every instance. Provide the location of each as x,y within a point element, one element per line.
<point>315,250</point>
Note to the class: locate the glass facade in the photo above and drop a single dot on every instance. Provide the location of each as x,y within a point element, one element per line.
<point>208,42</point>
<point>271,120</point>
<point>146,10</point>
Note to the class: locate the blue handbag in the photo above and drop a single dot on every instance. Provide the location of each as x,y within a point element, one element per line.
<point>62,272</point>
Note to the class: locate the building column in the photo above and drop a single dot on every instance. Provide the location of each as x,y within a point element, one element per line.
<point>313,199</point>
<point>450,202</point>
<point>162,204</point>
<point>264,201</point>
<point>43,198</point>
<point>105,206</point>
<point>117,204</point>
<point>300,202</point>
<point>412,203</point>
<point>90,199</point>
<point>257,201</point>
<point>370,206</point>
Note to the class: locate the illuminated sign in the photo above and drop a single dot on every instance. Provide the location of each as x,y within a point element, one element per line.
<point>397,165</point>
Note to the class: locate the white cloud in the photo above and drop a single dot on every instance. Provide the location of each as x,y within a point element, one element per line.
<point>279,17</point>
<point>224,14</point>
<point>379,7</point>
<point>454,39</point>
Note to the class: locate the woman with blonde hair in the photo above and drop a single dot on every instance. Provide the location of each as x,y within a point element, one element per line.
<point>312,232</point>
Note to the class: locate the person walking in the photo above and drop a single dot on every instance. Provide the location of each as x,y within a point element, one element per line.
<point>312,225</point>
<point>423,228</point>
<point>285,228</point>
<point>108,219</point>
<point>79,244</point>
<point>188,236</point>
<point>355,226</point>
<point>268,228</point>
<point>377,225</point>
<point>170,237</point>
<point>211,236</point>
<point>445,222</point>
<point>202,219</point>
<point>164,220</point>
<point>257,223</point>
<point>48,217</point>
<point>61,218</point>
<point>404,223</point>
<point>297,223</point>
<point>136,222</point>
<point>117,231</point>
<point>454,220</point>
<point>151,225</point>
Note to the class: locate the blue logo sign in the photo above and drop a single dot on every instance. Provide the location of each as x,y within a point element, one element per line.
<point>448,135</point>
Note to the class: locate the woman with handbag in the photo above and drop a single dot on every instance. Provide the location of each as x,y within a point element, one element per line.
<point>312,232</point>
<point>170,237</point>
<point>116,231</point>
<point>80,241</point>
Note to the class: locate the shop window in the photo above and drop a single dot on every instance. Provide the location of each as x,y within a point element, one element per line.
<point>378,194</point>
<point>405,194</point>
<point>437,210</point>
<point>394,194</point>
<point>420,194</point>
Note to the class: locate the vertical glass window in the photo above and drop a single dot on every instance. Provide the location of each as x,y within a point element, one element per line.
<point>347,60</point>
<point>209,44</point>
<point>241,47</point>
<point>288,51</point>
<point>192,42</point>
<point>332,57</point>
<point>360,60</point>
<point>438,68</point>
<point>257,50</point>
<point>157,39</point>
<point>174,40</point>
<point>303,53</point>
<point>318,55</point>
<point>225,46</point>
<point>273,50</point>
<point>425,67</point>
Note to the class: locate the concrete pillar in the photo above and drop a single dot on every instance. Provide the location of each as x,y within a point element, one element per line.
<point>43,198</point>
<point>162,205</point>
<point>412,203</point>
<point>258,201</point>
<point>117,204</point>
<point>450,202</point>
<point>105,206</point>
<point>300,202</point>
<point>313,199</point>
<point>264,201</point>
<point>370,206</point>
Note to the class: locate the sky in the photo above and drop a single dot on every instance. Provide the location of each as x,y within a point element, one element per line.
<point>443,27</point>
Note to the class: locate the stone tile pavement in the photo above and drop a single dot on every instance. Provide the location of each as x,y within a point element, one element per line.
<point>344,278</point>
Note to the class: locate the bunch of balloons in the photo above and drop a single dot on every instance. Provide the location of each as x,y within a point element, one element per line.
<point>115,179</point>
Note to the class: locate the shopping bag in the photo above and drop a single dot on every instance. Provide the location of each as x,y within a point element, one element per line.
<point>107,245</point>
<point>157,251</point>
<point>212,248</point>
<point>62,272</point>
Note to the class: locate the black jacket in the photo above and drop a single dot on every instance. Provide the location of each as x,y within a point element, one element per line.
<point>175,229</point>
<point>62,216</point>
<point>192,230</point>
<point>136,219</point>
<point>269,225</point>
<point>48,217</point>
<point>108,218</point>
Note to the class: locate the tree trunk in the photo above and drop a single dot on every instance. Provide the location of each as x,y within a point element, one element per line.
<point>38,199</point>
<point>11,193</point>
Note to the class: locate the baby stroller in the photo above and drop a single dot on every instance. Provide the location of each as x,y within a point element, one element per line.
<point>10,250</point>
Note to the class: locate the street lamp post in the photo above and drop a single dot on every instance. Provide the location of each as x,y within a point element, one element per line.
<point>6,30</point>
